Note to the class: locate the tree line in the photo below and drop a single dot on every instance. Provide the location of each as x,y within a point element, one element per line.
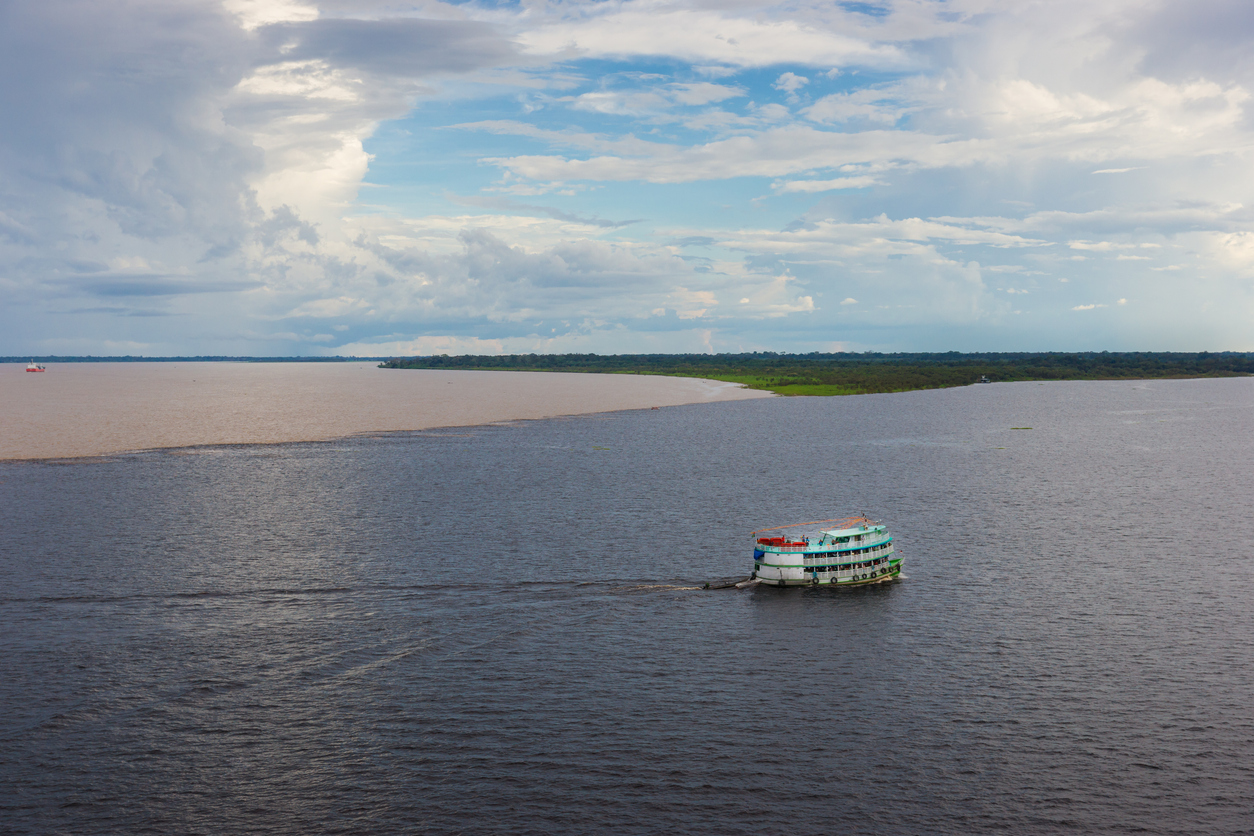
<point>834,374</point>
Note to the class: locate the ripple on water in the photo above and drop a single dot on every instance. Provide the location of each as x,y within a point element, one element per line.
<point>503,631</point>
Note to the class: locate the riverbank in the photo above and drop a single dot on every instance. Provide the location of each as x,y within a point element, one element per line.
<point>868,373</point>
<point>93,409</point>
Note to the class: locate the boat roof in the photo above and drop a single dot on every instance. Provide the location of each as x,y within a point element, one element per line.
<point>850,526</point>
<point>859,529</point>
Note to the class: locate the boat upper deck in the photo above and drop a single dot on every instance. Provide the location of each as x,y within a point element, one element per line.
<point>859,536</point>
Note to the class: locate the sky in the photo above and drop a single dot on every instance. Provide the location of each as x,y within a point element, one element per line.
<point>325,177</point>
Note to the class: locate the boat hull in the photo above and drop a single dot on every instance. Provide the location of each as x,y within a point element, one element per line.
<point>883,574</point>
<point>881,570</point>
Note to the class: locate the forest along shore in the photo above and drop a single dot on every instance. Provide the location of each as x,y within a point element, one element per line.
<point>94,409</point>
<point>864,374</point>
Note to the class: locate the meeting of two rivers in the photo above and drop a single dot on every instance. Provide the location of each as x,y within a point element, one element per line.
<point>502,628</point>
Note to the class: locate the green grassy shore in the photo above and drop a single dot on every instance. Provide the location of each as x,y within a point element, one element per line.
<point>861,374</point>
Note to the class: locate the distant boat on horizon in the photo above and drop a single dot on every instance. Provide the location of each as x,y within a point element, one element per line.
<point>32,366</point>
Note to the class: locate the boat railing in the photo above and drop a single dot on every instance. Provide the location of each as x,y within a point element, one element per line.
<point>852,544</point>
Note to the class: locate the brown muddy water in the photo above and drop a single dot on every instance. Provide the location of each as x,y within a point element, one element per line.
<point>92,409</point>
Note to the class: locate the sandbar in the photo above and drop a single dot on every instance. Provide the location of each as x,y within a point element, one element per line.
<point>94,409</point>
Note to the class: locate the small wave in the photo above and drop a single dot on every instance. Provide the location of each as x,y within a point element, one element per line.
<point>157,596</point>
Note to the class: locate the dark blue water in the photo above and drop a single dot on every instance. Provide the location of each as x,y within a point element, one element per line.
<point>495,631</point>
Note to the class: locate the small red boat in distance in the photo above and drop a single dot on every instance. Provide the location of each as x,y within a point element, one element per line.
<point>32,366</point>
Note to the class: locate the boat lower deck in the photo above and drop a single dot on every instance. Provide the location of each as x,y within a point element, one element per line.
<point>878,570</point>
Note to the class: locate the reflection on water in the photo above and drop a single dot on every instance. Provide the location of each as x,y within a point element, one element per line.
<point>497,630</point>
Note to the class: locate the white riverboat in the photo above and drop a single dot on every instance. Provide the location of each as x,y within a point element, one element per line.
<point>853,552</point>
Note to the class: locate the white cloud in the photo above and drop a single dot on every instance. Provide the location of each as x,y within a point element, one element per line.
<point>871,105</point>
<point>879,235</point>
<point>777,298</point>
<point>958,123</point>
<point>207,140</point>
<point>1098,246</point>
<point>808,186</point>
<point>775,152</point>
<point>326,308</point>
<point>425,345</point>
<point>702,92</point>
<point>701,36</point>
<point>790,82</point>
<point>255,13</point>
<point>569,139</point>
<point>657,102</point>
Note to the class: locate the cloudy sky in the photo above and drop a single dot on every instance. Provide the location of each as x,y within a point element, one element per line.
<point>376,178</point>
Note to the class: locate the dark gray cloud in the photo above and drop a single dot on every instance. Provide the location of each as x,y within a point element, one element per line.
<point>407,47</point>
<point>114,147</point>
<point>108,101</point>
<point>115,310</point>
<point>284,221</point>
<point>148,285</point>
<point>1182,41</point>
